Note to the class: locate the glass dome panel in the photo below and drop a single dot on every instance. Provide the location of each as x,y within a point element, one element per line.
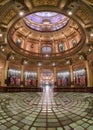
<point>46,21</point>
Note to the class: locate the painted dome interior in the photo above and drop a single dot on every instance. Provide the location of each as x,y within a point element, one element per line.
<point>46,21</point>
<point>48,33</point>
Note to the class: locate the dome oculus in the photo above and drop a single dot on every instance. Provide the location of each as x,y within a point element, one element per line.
<point>46,21</point>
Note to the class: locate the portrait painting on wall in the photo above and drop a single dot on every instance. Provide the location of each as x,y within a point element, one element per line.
<point>74,42</point>
<point>19,41</point>
<point>61,47</point>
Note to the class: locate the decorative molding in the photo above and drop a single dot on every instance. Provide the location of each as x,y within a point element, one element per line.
<point>9,16</point>
<point>45,2</point>
<point>83,16</point>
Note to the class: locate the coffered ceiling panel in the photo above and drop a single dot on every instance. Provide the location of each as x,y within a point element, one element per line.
<point>9,16</point>
<point>83,16</point>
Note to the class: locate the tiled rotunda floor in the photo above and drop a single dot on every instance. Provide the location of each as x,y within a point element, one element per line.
<point>46,111</point>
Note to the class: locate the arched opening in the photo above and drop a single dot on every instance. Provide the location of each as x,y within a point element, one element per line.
<point>47,78</point>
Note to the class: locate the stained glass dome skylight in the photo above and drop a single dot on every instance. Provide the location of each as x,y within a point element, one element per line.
<point>46,21</point>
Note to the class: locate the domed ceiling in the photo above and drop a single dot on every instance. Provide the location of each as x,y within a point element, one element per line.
<point>46,31</point>
<point>46,34</point>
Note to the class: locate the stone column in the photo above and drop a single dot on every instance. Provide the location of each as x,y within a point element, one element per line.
<point>22,75</point>
<point>71,75</point>
<point>55,77</point>
<point>5,73</point>
<point>38,77</point>
<point>88,71</point>
<point>2,78</point>
<point>53,49</point>
<point>39,47</point>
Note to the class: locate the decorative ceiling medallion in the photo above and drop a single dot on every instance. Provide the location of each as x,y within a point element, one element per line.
<point>44,2</point>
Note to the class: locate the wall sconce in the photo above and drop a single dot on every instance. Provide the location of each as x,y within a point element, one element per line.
<point>82,57</point>
<point>90,46</point>
<point>2,48</point>
<point>12,57</point>
<point>68,61</point>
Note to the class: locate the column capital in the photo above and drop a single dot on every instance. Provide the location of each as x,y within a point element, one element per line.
<point>24,61</point>
<point>10,56</point>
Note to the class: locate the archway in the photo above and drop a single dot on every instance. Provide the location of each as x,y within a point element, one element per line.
<point>47,78</point>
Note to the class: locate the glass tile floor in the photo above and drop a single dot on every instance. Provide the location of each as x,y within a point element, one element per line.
<point>46,111</point>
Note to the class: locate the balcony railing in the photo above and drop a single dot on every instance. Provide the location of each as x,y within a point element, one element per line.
<point>41,56</point>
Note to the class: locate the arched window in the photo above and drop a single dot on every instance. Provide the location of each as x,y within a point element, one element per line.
<point>46,49</point>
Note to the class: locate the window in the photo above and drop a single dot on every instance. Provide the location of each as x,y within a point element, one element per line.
<point>46,49</point>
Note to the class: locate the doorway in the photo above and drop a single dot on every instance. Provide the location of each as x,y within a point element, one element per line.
<point>47,78</point>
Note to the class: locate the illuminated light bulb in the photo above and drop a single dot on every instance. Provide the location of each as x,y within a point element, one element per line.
<point>72,29</point>
<point>80,57</point>
<point>21,13</point>
<point>25,62</point>
<point>12,57</point>
<point>63,35</point>
<point>46,55</point>
<point>89,49</point>
<point>30,35</point>
<point>69,13</point>
<point>3,49</point>
<point>53,64</point>
<point>68,62</point>
<point>39,64</point>
<point>1,34</point>
<point>20,29</point>
<point>91,34</point>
